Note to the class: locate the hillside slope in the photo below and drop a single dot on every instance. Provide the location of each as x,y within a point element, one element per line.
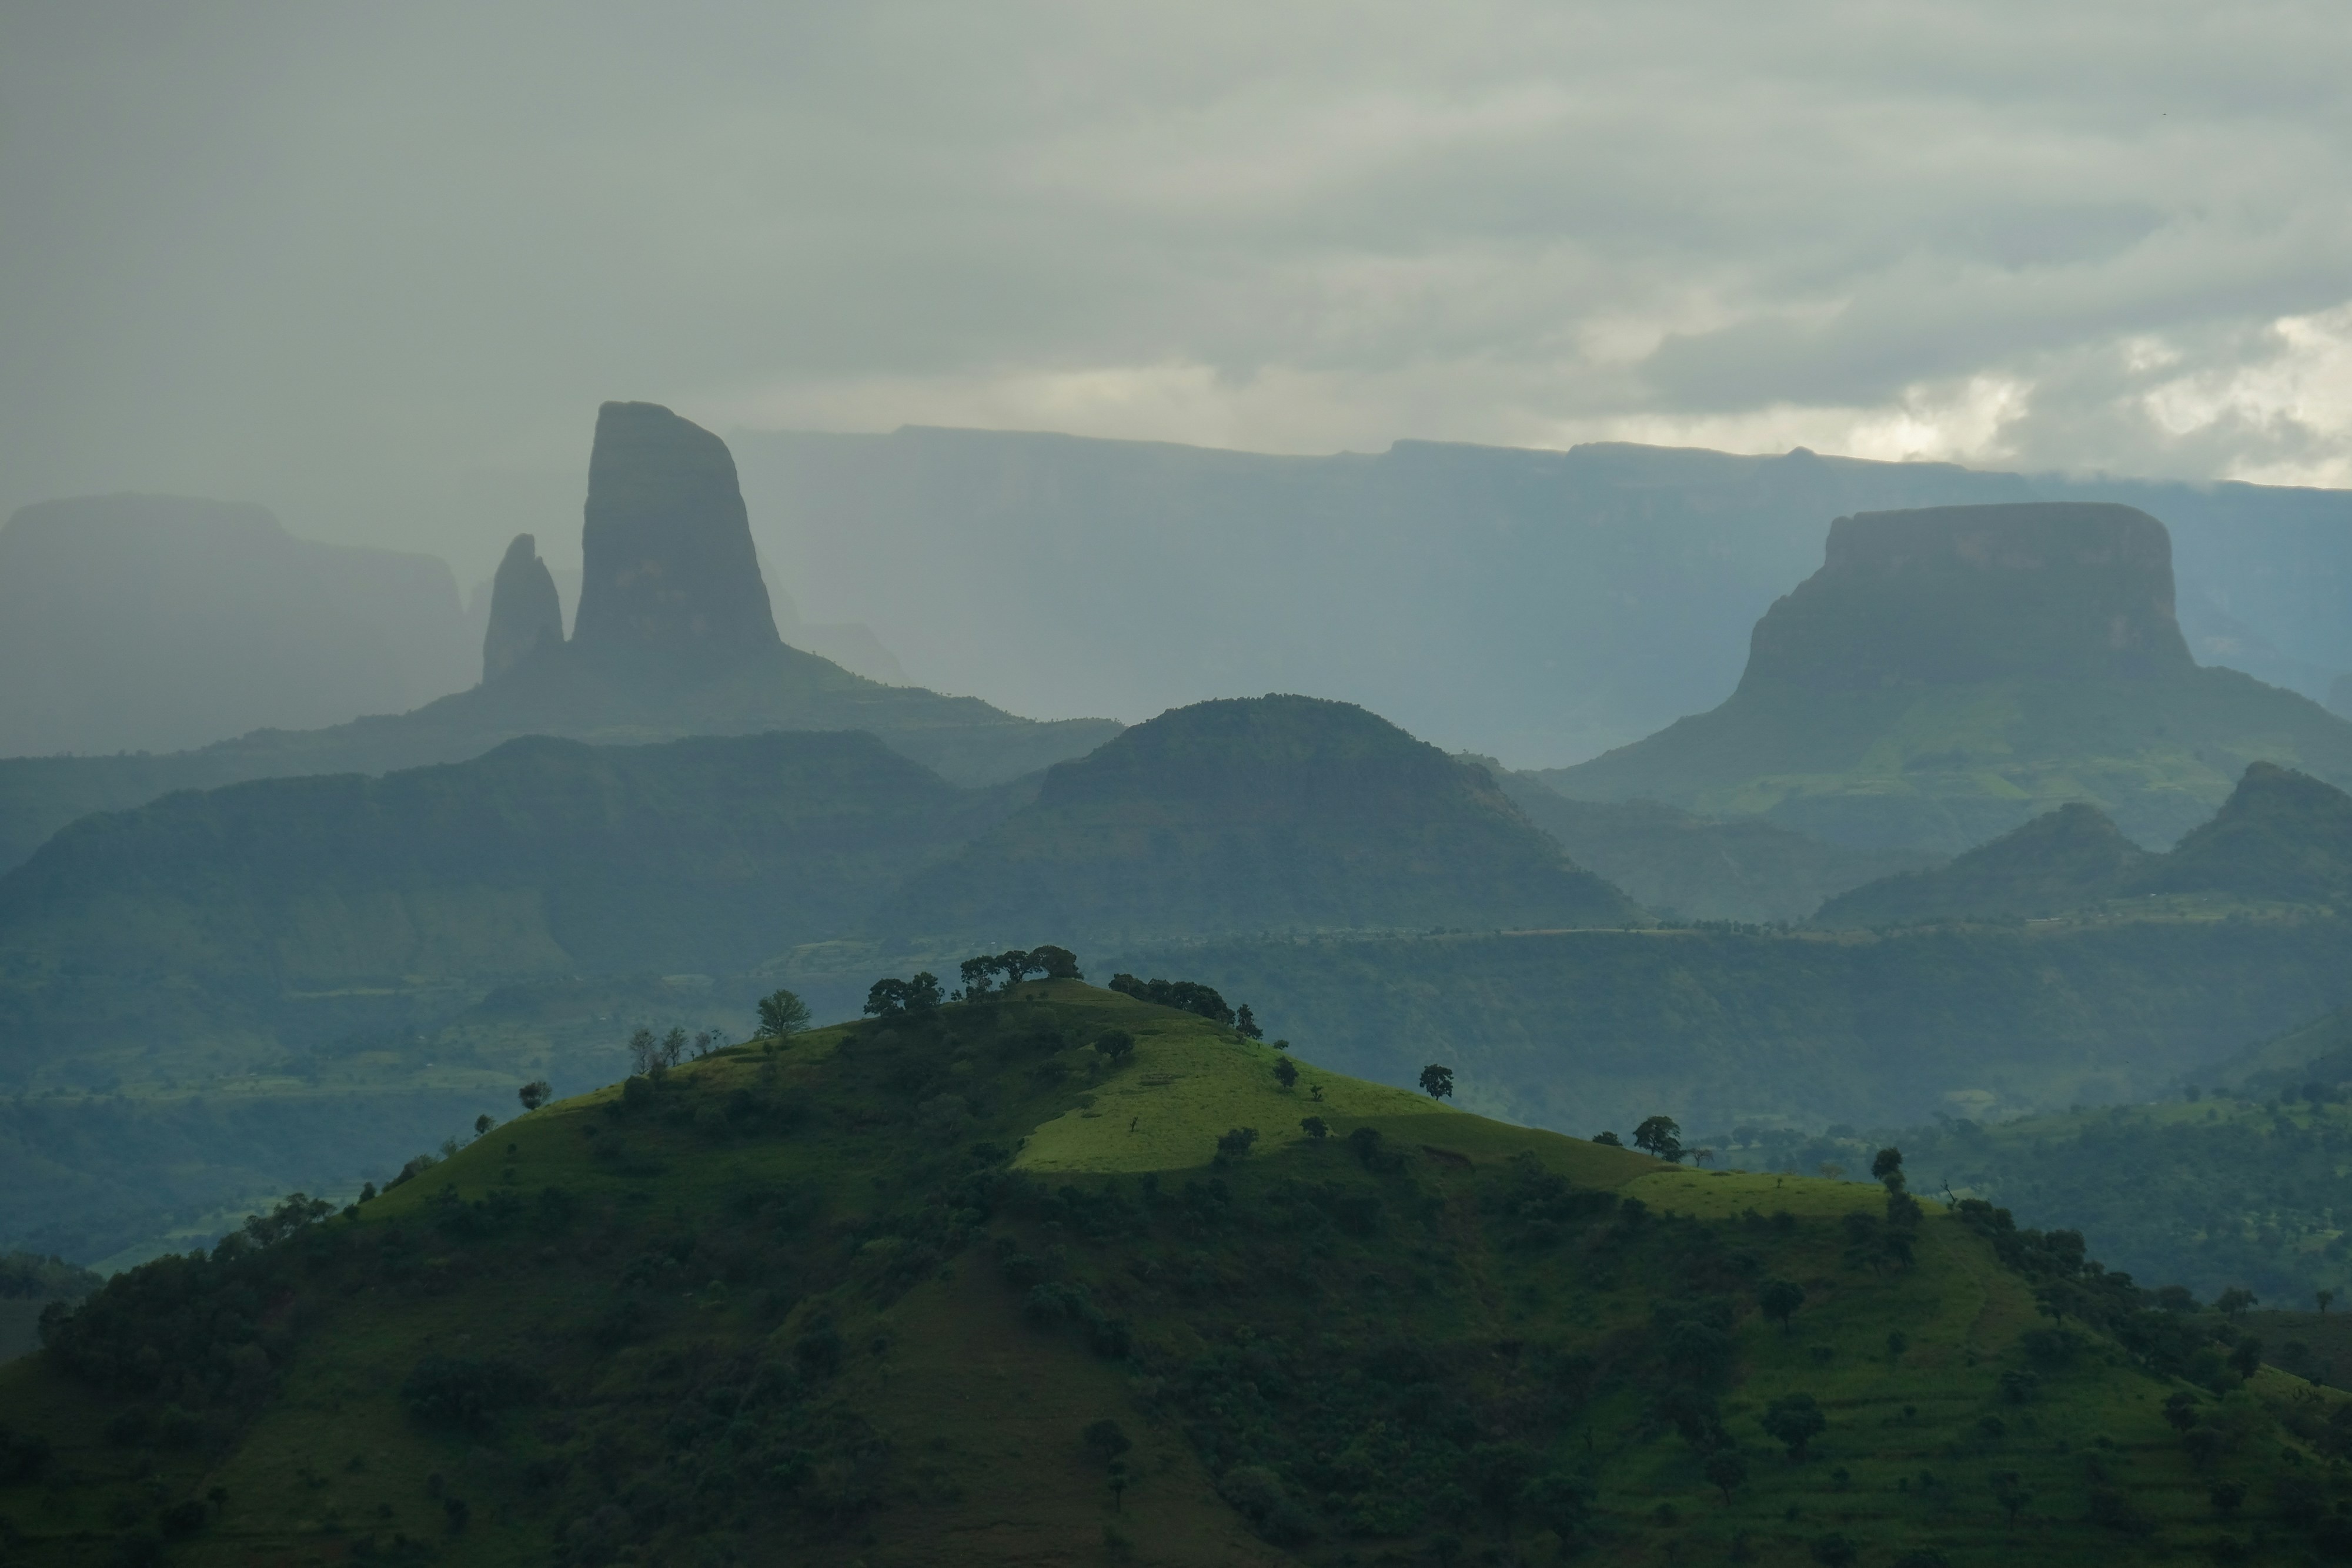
<point>858,1299</point>
<point>1279,813</point>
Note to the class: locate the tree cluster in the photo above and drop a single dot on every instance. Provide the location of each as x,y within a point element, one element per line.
<point>1186,995</point>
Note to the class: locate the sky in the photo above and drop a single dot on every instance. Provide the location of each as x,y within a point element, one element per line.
<point>375,264</point>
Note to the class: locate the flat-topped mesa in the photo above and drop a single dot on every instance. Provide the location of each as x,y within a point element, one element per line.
<point>525,613</point>
<point>1950,595</point>
<point>667,562</point>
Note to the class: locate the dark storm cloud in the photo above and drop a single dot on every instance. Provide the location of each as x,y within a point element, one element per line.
<point>376,264</point>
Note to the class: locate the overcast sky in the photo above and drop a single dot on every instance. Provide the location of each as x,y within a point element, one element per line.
<point>375,264</point>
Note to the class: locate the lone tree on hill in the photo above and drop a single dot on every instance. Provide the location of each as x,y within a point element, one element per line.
<point>1233,1144</point>
<point>1781,1299</point>
<point>2235,1301</point>
<point>1245,1024</point>
<point>1115,1044</point>
<point>1660,1136</point>
<point>782,1016</point>
<point>1887,1167</point>
<point>535,1094</point>
<point>1059,963</point>
<point>1285,1073</point>
<point>1612,1139</point>
<point>2326,1299</point>
<point>1315,1127</point>
<point>1437,1081</point>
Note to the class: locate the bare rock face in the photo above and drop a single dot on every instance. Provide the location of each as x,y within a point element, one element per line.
<point>525,613</point>
<point>1945,595</point>
<point>668,564</point>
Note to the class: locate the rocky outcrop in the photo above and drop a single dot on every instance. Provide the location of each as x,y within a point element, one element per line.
<point>1947,595</point>
<point>668,564</point>
<point>526,615</point>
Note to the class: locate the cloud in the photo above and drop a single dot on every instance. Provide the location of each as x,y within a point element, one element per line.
<point>376,264</point>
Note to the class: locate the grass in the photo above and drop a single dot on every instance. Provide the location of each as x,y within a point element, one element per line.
<point>747,1245</point>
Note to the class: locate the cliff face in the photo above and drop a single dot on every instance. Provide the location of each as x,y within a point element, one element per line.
<point>525,612</point>
<point>668,564</point>
<point>1947,595</point>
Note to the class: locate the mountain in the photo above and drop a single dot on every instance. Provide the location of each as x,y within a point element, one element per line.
<point>958,1286</point>
<point>2282,837</point>
<point>1272,814</point>
<point>1690,867</point>
<point>2062,861</point>
<point>1950,673</point>
<point>674,637</point>
<point>1539,606</point>
<point>153,623</point>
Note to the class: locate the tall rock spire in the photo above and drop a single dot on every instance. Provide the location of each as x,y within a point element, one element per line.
<point>525,613</point>
<point>666,550</point>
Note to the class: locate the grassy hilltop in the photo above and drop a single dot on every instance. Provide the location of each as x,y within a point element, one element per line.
<point>961,1287</point>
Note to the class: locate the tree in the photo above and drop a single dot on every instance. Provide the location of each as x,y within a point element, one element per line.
<point>2235,1301</point>
<point>782,1016</point>
<point>1108,1439</point>
<point>1887,1167</point>
<point>1285,1073</point>
<point>1794,1420</point>
<point>1017,966</point>
<point>895,999</point>
<point>483,1123</point>
<point>1058,962</point>
<point>1233,1144</point>
<point>535,1094</point>
<point>1115,1044</point>
<point>1245,1024</point>
<point>975,974</point>
<point>1612,1139</point>
<point>1726,1471</point>
<point>2010,1492</point>
<point>1437,1081</point>
<point>1315,1127</point>
<point>1660,1136</point>
<point>2246,1357</point>
<point>1781,1299</point>
<point>2326,1299</point>
<point>644,1053</point>
<point>673,1046</point>
<point>1559,1502</point>
<point>2180,1411</point>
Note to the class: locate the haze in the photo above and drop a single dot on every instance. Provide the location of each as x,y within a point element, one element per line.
<point>375,267</point>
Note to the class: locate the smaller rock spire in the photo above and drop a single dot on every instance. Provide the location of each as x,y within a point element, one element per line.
<point>525,613</point>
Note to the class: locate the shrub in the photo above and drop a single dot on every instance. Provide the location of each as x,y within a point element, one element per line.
<point>465,1394</point>
<point>1257,1494</point>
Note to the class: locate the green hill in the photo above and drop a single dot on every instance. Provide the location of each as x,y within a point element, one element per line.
<point>1690,867</point>
<point>1950,673</point>
<point>1280,813</point>
<point>958,1287</point>
<point>2281,838</point>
